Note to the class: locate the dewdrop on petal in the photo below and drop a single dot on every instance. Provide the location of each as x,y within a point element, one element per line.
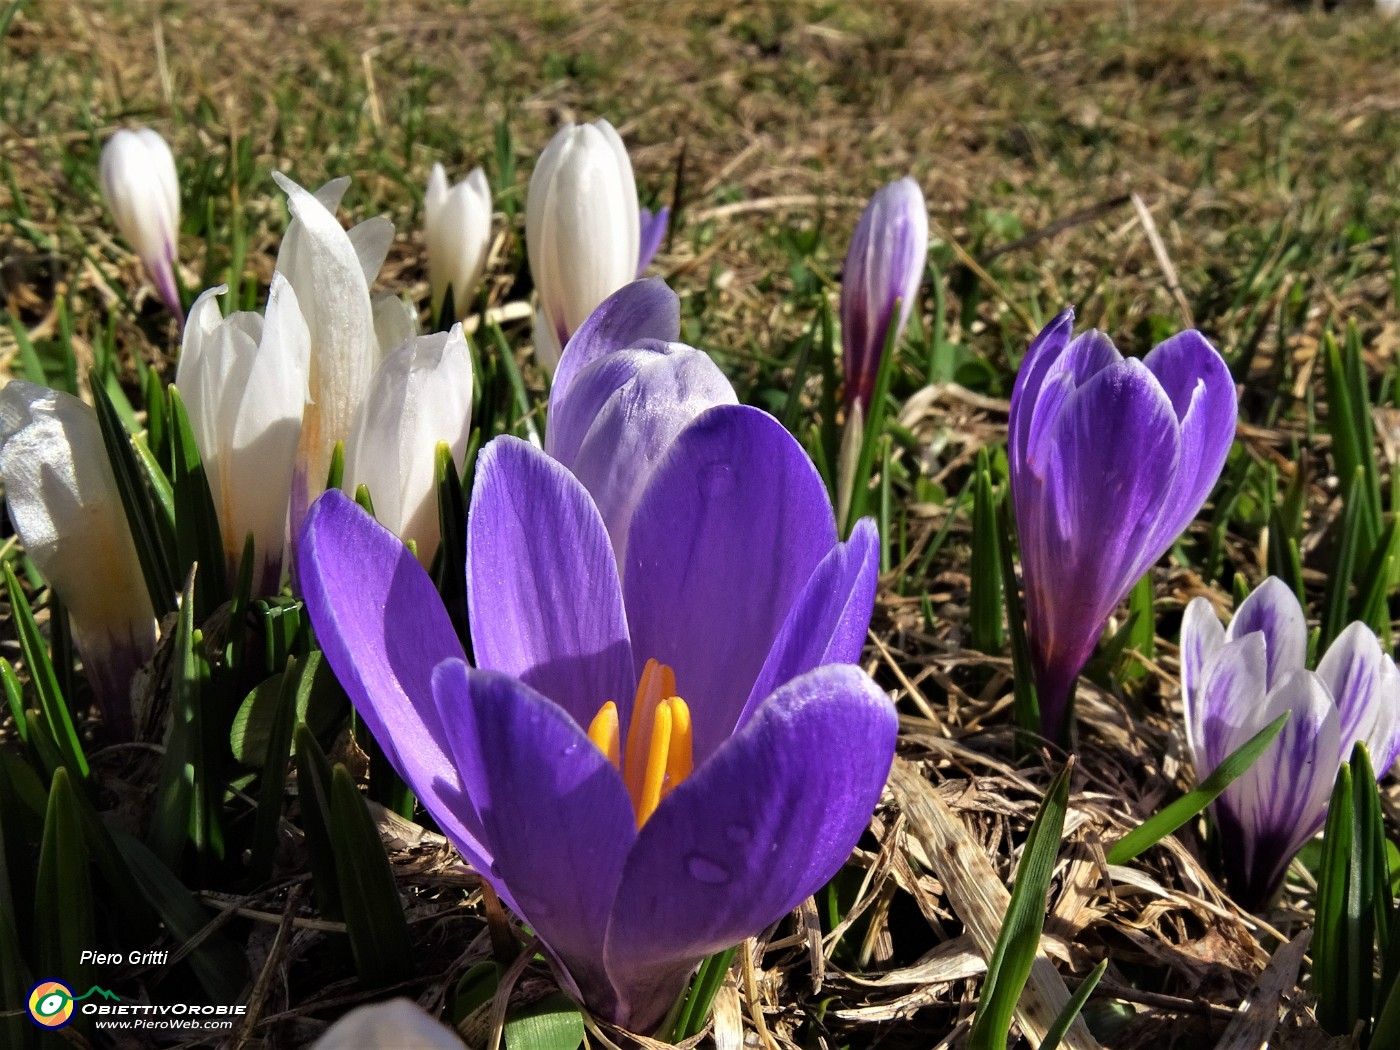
<point>142,191</point>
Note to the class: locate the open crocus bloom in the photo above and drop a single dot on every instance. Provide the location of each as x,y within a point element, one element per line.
<point>1237,680</point>
<point>1110,460</point>
<point>647,765</point>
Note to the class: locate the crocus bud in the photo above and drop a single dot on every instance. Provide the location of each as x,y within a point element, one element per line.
<point>652,225</point>
<point>885,263</point>
<point>395,1025</point>
<point>64,504</point>
<point>243,380</point>
<point>331,271</point>
<point>137,172</point>
<point>1237,680</point>
<point>459,236</point>
<point>420,395</point>
<point>581,230</point>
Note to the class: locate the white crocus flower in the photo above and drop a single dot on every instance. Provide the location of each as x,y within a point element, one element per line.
<point>65,506</point>
<point>396,1025</point>
<point>243,381</point>
<point>420,395</point>
<point>458,227</point>
<point>581,230</point>
<point>331,271</point>
<point>137,172</point>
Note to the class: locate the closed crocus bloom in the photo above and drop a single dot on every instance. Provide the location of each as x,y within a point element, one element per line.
<point>624,391</point>
<point>137,172</point>
<point>396,1025</point>
<point>459,235</point>
<point>331,271</point>
<point>243,381</point>
<point>1237,680</point>
<point>1110,460</point>
<point>653,231</point>
<point>885,265</point>
<point>581,229</point>
<point>65,506</point>
<point>650,765</point>
<point>420,395</point>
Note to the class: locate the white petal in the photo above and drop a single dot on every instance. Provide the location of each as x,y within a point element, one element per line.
<point>459,237</point>
<point>1273,610</point>
<point>396,1025</point>
<point>1202,635</point>
<point>372,240</point>
<point>1231,708</point>
<point>395,322</point>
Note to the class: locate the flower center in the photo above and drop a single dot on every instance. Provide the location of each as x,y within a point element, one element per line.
<point>657,755</point>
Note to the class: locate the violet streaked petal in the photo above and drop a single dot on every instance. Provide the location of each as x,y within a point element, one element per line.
<point>542,590</point>
<point>828,621</point>
<point>1351,670</point>
<point>1232,702</point>
<point>553,808</point>
<point>383,628</point>
<point>661,392</point>
<point>1383,742</point>
<point>652,227</point>
<point>1044,349</point>
<point>589,391</point>
<point>760,826</point>
<point>1202,392</point>
<point>1281,801</point>
<point>1273,610</point>
<point>644,309</point>
<point>725,536</point>
<point>1202,635</point>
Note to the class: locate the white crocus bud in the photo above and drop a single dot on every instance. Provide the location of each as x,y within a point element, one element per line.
<point>243,381</point>
<point>581,229</point>
<point>64,504</point>
<point>420,395</point>
<point>331,271</point>
<point>458,221</point>
<point>396,1025</point>
<point>137,172</point>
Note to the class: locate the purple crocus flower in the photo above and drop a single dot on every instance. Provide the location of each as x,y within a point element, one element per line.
<point>653,231</point>
<point>634,836</point>
<point>1110,460</point>
<point>885,263</point>
<point>1237,680</point>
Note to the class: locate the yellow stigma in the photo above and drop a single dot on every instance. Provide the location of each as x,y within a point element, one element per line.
<point>657,756</point>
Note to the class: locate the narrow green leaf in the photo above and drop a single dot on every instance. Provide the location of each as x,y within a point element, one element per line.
<point>14,698</point>
<point>1018,942</point>
<point>527,415</point>
<point>1025,705</point>
<point>335,475</point>
<point>700,998</point>
<point>451,564</point>
<point>314,802</point>
<point>53,708</point>
<point>1156,828</point>
<point>238,606</point>
<point>63,889</point>
<point>197,537</point>
<point>1141,634</point>
<point>1350,544</point>
<point>1330,942</point>
<point>874,424</point>
<point>1066,1017</point>
<point>374,918</point>
<point>986,604</point>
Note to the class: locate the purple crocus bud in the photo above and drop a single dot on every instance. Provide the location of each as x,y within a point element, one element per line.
<point>648,765</point>
<point>1110,460</point>
<point>137,172</point>
<point>1237,680</point>
<point>653,232</point>
<point>885,264</point>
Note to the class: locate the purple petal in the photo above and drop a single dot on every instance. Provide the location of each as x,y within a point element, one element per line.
<point>725,536</point>
<point>885,264</point>
<point>1273,610</point>
<point>653,232</point>
<point>1232,703</point>
<point>542,589</point>
<point>1353,672</point>
<point>1044,350</point>
<point>645,309</point>
<point>1202,394</point>
<point>383,629</point>
<point>828,621</point>
<point>1384,739</point>
<point>660,393</point>
<point>1281,801</point>
<point>552,806</point>
<point>762,825</point>
<point>1085,513</point>
<point>1202,635</point>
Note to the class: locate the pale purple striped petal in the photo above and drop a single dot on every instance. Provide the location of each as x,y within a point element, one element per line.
<point>1273,610</point>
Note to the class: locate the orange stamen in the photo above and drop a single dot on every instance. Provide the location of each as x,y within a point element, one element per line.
<point>604,732</point>
<point>658,752</point>
<point>654,772</point>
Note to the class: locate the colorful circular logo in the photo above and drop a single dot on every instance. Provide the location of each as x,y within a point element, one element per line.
<point>51,1004</point>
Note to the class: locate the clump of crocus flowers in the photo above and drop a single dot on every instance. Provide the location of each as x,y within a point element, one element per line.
<point>675,723</point>
<point>1238,679</point>
<point>1110,459</point>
